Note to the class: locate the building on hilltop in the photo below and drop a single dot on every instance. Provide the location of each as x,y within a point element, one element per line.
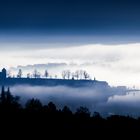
<point>3,74</point>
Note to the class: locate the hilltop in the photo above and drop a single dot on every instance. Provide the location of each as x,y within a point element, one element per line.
<point>4,80</point>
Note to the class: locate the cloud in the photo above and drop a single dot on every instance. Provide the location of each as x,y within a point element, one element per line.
<point>118,64</point>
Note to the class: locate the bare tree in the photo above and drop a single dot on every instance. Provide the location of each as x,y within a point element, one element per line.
<point>9,75</point>
<point>77,74</point>
<point>28,75</point>
<point>64,74</point>
<point>46,74</point>
<point>68,74</point>
<point>86,75</point>
<point>81,74</point>
<point>36,74</point>
<point>19,75</point>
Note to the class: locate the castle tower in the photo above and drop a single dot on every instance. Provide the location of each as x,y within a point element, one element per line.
<point>3,73</point>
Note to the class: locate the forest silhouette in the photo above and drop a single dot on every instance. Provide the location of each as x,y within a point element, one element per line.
<point>35,116</point>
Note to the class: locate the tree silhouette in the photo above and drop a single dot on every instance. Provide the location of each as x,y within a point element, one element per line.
<point>96,115</point>
<point>81,74</point>
<point>51,107</point>
<point>34,105</point>
<point>64,74</point>
<point>46,74</point>
<point>83,112</point>
<point>68,74</point>
<point>9,75</point>
<point>8,101</point>
<point>28,75</point>
<point>77,74</point>
<point>66,110</point>
<point>86,75</point>
<point>36,74</point>
<point>19,75</point>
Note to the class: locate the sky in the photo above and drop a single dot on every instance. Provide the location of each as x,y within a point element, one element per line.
<point>70,16</point>
<point>101,36</point>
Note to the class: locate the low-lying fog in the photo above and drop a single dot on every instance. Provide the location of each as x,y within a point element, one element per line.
<point>103,101</point>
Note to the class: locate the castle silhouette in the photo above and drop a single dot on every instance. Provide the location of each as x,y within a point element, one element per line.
<point>3,74</point>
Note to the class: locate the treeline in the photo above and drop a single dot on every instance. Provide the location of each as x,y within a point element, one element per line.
<point>35,115</point>
<point>66,74</point>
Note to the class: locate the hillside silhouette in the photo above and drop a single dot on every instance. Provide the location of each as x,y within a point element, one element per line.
<point>79,78</point>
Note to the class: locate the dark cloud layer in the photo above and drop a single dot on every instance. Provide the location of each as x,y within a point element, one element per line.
<point>71,16</point>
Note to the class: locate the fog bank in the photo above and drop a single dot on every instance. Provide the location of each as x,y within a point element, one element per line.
<point>104,101</point>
